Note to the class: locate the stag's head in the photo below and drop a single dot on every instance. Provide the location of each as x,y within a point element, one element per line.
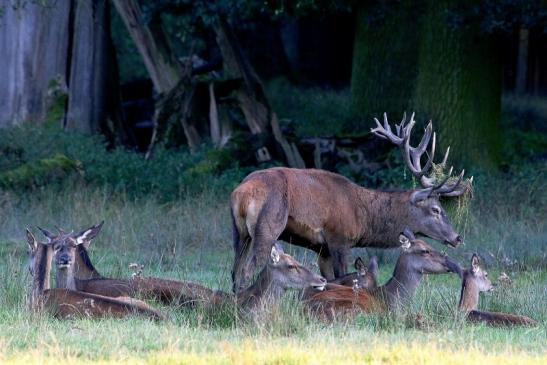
<point>427,216</point>
<point>65,245</point>
<point>477,276</point>
<point>290,274</point>
<point>418,256</point>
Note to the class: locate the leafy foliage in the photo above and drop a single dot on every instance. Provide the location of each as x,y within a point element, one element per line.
<point>36,156</point>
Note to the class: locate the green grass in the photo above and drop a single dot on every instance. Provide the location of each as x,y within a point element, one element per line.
<point>190,238</point>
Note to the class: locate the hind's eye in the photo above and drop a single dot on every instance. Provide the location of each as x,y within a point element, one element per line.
<point>436,210</point>
<point>292,267</point>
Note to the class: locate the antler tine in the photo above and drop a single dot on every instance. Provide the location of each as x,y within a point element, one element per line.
<point>450,190</point>
<point>399,127</point>
<point>437,188</point>
<point>445,158</point>
<point>385,132</point>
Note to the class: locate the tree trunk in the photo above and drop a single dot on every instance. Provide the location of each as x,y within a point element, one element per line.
<point>459,87</point>
<point>152,43</point>
<point>522,61</point>
<point>93,85</point>
<point>34,41</point>
<point>164,69</point>
<point>385,55</point>
<point>251,96</point>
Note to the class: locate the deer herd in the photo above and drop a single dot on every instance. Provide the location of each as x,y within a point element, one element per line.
<point>311,208</point>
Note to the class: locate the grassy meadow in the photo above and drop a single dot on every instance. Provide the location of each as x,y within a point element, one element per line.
<point>190,238</point>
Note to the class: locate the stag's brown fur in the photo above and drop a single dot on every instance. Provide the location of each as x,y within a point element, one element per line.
<point>325,212</point>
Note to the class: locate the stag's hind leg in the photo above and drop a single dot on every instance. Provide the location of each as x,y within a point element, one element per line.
<point>271,222</point>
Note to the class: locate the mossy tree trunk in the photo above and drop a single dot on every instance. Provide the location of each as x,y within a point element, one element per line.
<point>385,56</point>
<point>459,87</point>
<point>93,89</point>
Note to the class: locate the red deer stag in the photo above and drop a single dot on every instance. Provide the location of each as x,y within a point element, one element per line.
<point>417,258</point>
<point>329,214</point>
<point>475,280</point>
<point>66,303</point>
<point>281,272</point>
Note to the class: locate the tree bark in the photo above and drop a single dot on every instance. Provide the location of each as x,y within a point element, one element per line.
<point>459,87</point>
<point>153,45</point>
<point>92,83</point>
<point>385,55</point>
<point>251,96</point>
<point>165,70</point>
<point>34,41</point>
<point>522,61</point>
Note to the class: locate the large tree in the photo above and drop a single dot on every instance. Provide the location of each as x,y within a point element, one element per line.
<point>459,86</point>
<point>58,54</point>
<point>408,57</point>
<point>34,44</point>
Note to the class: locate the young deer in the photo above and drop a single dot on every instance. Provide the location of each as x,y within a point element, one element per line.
<point>364,278</point>
<point>66,303</point>
<point>417,258</point>
<point>475,280</point>
<point>282,272</point>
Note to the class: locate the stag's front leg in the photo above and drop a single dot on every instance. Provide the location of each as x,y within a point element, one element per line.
<point>340,256</point>
<point>324,260</point>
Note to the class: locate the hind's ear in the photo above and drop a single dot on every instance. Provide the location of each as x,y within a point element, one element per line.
<point>32,243</point>
<point>359,264</point>
<point>84,237</point>
<point>275,255</point>
<point>404,241</point>
<point>475,263</point>
<point>50,236</point>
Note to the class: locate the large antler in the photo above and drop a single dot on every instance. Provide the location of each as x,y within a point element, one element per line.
<point>413,156</point>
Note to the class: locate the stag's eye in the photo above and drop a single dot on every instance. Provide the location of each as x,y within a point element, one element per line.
<point>436,210</point>
<point>426,252</point>
<point>292,267</point>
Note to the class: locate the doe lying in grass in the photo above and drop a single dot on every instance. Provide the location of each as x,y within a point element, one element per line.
<point>281,272</point>
<point>364,278</point>
<point>76,271</point>
<point>417,258</point>
<point>66,303</point>
<point>475,280</point>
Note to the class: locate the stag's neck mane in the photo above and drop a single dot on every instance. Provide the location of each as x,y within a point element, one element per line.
<point>385,214</point>
<point>264,290</point>
<point>469,297</point>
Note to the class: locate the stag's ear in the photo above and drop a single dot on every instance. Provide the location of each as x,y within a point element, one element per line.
<point>84,237</point>
<point>373,265</point>
<point>404,241</point>
<point>50,236</point>
<point>275,255</point>
<point>420,195</point>
<point>32,243</point>
<point>475,268</point>
<point>359,264</point>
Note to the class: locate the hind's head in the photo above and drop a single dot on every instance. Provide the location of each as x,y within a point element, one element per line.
<point>66,246</point>
<point>288,273</point>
